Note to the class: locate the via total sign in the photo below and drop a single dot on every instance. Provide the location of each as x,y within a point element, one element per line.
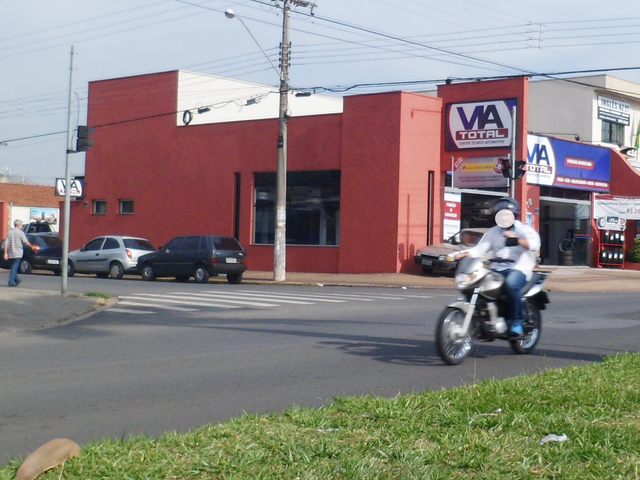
<point>76,189</point>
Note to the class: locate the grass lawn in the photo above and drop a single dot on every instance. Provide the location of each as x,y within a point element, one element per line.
<point>490,430</point>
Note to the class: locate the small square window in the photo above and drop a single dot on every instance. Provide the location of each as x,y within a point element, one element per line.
<point>99,207</point>
<point>126,206</point>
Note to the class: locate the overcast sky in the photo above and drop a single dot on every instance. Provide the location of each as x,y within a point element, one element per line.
<point>347,47</point>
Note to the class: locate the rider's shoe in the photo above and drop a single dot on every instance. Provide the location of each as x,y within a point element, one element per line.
<point>516,331</point>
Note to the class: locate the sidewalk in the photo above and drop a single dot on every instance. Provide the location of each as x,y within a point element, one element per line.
<point>24,309</point>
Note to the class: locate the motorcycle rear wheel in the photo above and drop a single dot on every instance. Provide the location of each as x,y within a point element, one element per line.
<point>452,347</point>
<point>532,328</point>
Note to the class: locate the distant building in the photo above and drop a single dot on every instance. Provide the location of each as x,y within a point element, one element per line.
<point>27,202</point>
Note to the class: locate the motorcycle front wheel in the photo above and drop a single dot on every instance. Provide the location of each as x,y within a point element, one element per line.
<point>453,346</point>
<point>532,327</point>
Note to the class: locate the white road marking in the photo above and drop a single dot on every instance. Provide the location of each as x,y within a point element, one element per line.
<point>179,302</point>
<point>162,307</point>
<point>178,299</point>
<point>243,296</point>
<point>127,310</point>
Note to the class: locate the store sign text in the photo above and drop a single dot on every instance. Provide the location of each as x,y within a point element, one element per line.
<point>479,124</point>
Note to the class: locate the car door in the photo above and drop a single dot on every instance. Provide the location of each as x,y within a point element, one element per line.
<point>166,262</point>
<point>86,258</point>
<point>189,255</point>
<point>108,252</point>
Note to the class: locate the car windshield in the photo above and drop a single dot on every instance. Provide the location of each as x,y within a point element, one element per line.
<point>470,238</point>
<point>466,237</point>
<point>138,244</point>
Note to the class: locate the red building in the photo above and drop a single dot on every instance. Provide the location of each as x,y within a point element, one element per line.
<point>366,181</point>
<point>359,181</point>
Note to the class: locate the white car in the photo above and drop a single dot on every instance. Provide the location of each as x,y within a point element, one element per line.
<point>109,256</point>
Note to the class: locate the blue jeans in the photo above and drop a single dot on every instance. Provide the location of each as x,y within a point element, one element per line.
<point>13,276</point>
<point>514,281</point>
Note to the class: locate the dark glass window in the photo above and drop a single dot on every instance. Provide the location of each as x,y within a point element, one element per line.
<point>100,207</point>
<point>174,244</point>
<point>313,207</point>
<point>126,206</point>
<point>227,243</point>
<point>138,244</point>
<point>192,243</point>
<point>612,133</point>
<point>111,244</point>
<point>94,244</point>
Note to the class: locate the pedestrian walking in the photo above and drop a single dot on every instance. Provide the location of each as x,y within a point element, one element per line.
<point>14,249</point>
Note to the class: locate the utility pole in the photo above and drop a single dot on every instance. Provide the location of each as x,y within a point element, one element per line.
<point>513,151</point>
<point>280,240</point>
<point>67,189</point>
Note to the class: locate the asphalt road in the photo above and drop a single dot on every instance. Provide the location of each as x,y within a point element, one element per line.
<point>175,356</point>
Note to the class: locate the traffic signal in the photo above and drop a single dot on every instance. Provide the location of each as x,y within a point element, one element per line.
<point>83,143</point>
<point>506,167</point>
<point>521,168</point>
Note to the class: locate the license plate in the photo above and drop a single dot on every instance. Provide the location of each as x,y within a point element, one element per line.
<point>53,262</point>
<point>231,260</point>
<point>426,262</point>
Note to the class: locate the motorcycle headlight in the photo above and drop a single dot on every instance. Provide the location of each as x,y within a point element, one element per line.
<point>465,279</point>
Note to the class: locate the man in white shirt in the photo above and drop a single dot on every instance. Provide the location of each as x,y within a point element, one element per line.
<point>516,244</point>
<point>13,250</point>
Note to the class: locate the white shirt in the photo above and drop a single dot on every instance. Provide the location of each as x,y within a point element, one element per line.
<point>494,240</point>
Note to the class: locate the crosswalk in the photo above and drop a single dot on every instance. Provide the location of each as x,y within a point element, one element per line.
<point>147,303</point>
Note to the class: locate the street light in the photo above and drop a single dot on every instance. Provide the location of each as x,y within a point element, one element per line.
<point>279,241</point>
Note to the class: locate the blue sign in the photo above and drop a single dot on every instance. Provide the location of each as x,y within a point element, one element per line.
<point>562,163</point>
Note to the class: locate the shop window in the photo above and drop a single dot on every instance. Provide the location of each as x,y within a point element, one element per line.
<point>99,207</point>
<point>126,207</point>
<point>313,207</point>
<point>612,133</point>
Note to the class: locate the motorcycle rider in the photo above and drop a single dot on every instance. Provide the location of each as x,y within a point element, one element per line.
<point>512,240</point>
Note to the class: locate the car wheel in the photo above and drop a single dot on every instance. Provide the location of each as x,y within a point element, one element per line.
<point>234,278</point>
<point>25,266</point>
<point>147,273</point>
<point>182,278</point>
<point>71,270</point>
<point>200,274</point>
<point>116,270</point>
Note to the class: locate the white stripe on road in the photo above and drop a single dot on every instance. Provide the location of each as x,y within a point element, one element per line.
<point>241,296</point>
<point>314,298</point>
<point>127,310</point>
<point>161,307</point>
<point>178,300</point>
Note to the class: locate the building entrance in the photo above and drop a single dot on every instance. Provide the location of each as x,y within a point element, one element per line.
<point>564,231</point>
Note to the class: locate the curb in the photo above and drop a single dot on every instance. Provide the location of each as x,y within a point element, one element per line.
<point>99,305</point>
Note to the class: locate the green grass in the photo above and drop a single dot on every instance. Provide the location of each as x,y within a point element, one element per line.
<point>489,430</point>
<point>106,296</point>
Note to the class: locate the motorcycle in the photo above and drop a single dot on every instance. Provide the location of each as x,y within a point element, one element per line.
<point>479,312</point>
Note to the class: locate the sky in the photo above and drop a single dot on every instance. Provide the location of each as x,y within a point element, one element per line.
<point>340,47</point>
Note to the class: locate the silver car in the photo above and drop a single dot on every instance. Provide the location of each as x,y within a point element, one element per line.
<point>434,257</point>
<point>109,256</point>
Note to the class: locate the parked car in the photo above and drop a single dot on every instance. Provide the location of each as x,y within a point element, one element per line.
<point>109,256</point>
<point>197,256</point>
<point>46,257</point>
<point>40,228</point>
<point>434,257</point>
